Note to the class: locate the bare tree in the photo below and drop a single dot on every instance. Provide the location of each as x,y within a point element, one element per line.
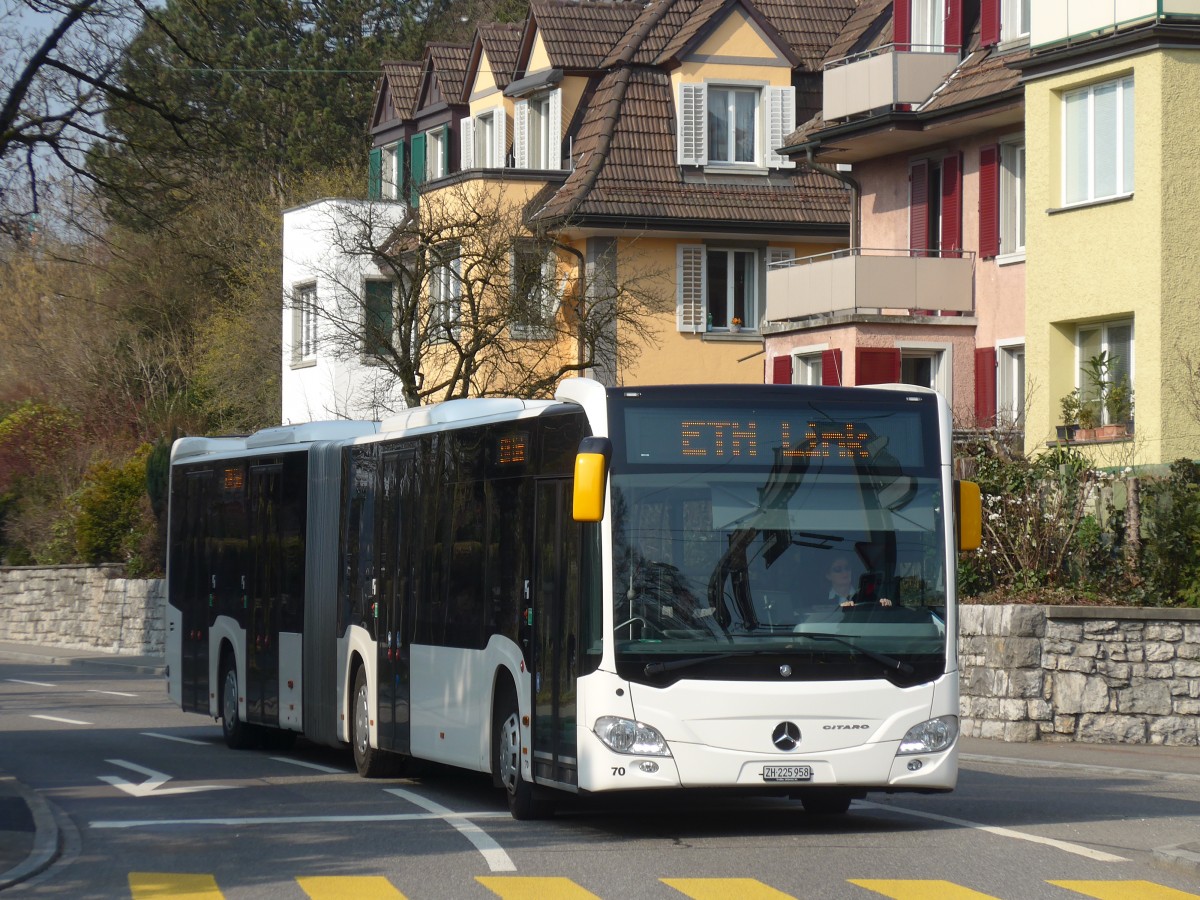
<point>477,304</point>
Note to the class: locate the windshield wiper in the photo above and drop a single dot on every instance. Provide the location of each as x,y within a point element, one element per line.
<point>882,658</point>
<point>656,668</point>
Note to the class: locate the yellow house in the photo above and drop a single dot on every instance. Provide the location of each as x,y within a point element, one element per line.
<point>1111,135</point>
<point>639,143</point>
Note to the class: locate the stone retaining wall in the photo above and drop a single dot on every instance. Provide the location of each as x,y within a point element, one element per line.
<point>1078,673</point>
<point>82,607</point>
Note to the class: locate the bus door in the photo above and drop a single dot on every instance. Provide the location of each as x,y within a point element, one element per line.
<point>264,585</point>
<point>556,624</point>
<point>192,587</point>
<point>395,585</point>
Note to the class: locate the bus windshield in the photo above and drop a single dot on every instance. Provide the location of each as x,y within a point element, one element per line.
<point>807,536</point>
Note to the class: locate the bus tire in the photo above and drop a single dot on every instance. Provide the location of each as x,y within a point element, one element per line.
<point>525,800</point>
<point>371,762</point>
<point>238,734</point>
<point>826,803</point>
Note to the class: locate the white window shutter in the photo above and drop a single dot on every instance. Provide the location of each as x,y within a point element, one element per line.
<point>521,133</point>
<point>500,131</point>
<point>693,112</point>
<point>554,151</point>
<point>690,305</point>
<point>781,121</point>
<point>780,255</point>
<point>466,133</point>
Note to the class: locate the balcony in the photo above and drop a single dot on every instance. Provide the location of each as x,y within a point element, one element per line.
<point>883,78</point>
<point>871,282</point>
<point>1056,21</point>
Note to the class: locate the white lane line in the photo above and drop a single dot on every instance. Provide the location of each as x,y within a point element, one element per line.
<point>60,719</point>
<point>171,737</point>
<point>153,785</point>
<point>307,765</point>
<point>290,820</point>
<point>34,683</point>
<point>493,854</point>
<point>1077,849</point>
<point>110,693</point>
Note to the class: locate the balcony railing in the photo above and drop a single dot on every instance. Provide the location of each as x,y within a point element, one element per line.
<point>885,77</point>
<point>869,281</point>
<point>1055,21</point>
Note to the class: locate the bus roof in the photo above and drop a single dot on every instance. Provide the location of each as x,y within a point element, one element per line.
<point>450,412</point>
<point>280,435</point>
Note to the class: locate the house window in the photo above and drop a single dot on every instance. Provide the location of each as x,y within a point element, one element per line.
<point>1115,341</point>
<point>534,300</point>
<point>1012,197</point>
<point>806,368</point>
<point>928,25</point>
<point>1014,19</point>
<point>926,364</point>
<point>484,140</point>
<point>392,167</point>
<point>304,324</point>
<point>1010,387</point>
<point>735,125</point>
<point>537,131</point>
<point>445,292</point>
<point>732,288</point>
<point>377,319</point>
<point>1098,142</point>
<point>436,153</point>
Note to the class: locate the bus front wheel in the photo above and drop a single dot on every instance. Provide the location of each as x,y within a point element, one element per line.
<point>826,803</point>
<point>525,800</point>
<point>371,762</point>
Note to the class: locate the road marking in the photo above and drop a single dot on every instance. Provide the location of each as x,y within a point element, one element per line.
<point>920,890</point>
<point>110,693</point>
<point>328,770</point>
<point>1077,849</point>
<point>496,858</point>
<point>349,887</point>
<point>1124,890</point>
<point>153,785</point>
<point>725,889</point>
<point>34,683</point>
<point>60,719</point>
<point>542,888</point>
<point>178,740</point>
<point>152,885</point>
<point>289,820</point>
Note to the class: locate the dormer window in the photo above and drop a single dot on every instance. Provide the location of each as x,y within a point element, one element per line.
<point>735,125</point>
<point>484,140</point>
<point>1014,19</point>
<point>537,131</point>
<point>928,26</point>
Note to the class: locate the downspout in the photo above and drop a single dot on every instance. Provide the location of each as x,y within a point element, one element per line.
<point>855,195</point>
<point>582,263</point>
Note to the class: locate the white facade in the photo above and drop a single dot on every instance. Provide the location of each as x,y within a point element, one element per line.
<point>326,267</point>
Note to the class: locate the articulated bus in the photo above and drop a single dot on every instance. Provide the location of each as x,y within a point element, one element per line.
<point>619,589</point>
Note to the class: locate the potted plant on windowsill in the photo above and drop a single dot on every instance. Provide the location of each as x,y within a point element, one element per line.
<point>1118,403</point>
<point>735,325</point>
<point>1089,420</point>
<point>1069,404</point>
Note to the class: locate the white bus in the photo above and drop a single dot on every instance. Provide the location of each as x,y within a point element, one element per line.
<point>748,587</point>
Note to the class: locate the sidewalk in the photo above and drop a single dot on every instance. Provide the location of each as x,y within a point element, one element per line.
<point>29,835</point>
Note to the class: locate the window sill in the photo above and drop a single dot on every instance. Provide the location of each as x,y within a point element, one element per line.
<point>303,363</point>
<point>1088,204</point>
<point>1010,259</point>
<point>727,169</point>
<point>742,337</point>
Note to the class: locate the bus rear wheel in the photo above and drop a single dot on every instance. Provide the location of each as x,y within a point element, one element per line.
<point>525,800</point>
<point>238,734</point>
<point>371,762</point>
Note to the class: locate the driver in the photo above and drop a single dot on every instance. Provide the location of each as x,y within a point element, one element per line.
<point>841,577</point>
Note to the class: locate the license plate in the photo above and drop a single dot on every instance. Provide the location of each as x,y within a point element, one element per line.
<point>787,773</point>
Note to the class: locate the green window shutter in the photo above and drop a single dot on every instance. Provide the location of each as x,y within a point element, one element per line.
<point>416,167</point>
<point>375,175</point>
<point>377,301</point>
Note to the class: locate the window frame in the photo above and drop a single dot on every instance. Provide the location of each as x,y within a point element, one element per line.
<point>372,353</point>
<point>390,171</point>
<point>1013,216</point>
<point>928,26</point>
<point>445,292</point>
<point>305,331</point>
<point>1081,380</point>
<point>808,365</point>
<point>750,301</point>
<point>942,355</point>
<point>1019,12</point>
<point>435,152</point>
<point>1123,169</point>
<point>548,302</point>
<point>734,90</point>
<point>1010,383</point>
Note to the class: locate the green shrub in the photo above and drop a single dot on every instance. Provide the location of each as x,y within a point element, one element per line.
<point>113,515</point>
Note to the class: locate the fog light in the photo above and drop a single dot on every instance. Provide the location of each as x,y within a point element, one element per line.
<point>648,766</point>
<point>914,765</point>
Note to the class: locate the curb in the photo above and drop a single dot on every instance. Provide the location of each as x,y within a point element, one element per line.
<point>1180,856</point>
<point>45,840</point>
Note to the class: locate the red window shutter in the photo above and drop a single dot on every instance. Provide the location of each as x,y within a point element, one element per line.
<point>876,365</point>
<point>953,36</point>
<point>781,370</point>
<point>989,201</point>
<point>989,22</point>
<point>952,204</point>
<point>902,25</point>
<point>918,208</point>
<point>985,387</point>
<point>831,366</point>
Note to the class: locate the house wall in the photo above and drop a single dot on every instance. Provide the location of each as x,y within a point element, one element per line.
<point>1108,260</point>
<point>736,51</point>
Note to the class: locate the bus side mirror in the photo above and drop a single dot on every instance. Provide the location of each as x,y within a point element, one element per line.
<point>970,515</point>
<point>591,476</point>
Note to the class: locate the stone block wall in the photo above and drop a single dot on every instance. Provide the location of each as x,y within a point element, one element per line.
<point>1076,673</point>
<point>82,607</point>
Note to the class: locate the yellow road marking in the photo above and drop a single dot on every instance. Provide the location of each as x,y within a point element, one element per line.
<point>920,890</point>
<point>150,885</point>
<point>349,887</point>
<point>511,887</point>
<point>1124,890</point>
<point>725,889</point>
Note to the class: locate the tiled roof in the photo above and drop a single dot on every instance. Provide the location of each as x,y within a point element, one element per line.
<point>403,79</point>
<point>984,73</point>
<point>810,27</point>
<point>636,175</point>
<point>449,61</point>
<point>580,35</point>
<point>502,43</point>
<point>869,26</point>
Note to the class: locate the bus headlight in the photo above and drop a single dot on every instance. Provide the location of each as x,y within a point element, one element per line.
<point>932,736</point>
<point>628,736</point>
